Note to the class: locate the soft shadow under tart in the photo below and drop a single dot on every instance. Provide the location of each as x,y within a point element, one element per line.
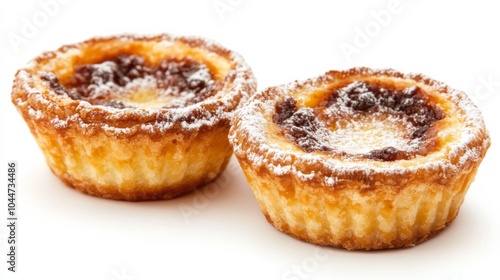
<point>134,117</point>
<point>360,159</point>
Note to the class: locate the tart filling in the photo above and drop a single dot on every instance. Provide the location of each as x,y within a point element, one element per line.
<point>126,82</point>
<point>362,120</point>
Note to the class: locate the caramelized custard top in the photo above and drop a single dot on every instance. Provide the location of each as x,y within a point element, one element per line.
<point>126,82</point>
<point>363,120</point>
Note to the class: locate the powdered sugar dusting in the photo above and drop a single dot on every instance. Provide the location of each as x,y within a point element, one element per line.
<point>383,119</point>
<point>366,134</point>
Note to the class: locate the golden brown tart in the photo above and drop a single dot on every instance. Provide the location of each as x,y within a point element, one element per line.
<point>360,159</point>
<point>134,117</point>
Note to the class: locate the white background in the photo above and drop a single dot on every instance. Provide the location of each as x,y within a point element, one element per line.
<point>63,234</point>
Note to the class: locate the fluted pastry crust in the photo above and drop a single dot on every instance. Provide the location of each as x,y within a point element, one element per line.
<point>341,197</point>
<point>133,153</point>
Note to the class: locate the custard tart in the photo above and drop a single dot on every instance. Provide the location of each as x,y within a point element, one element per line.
<point>133,117</point>
<point>360,159</point>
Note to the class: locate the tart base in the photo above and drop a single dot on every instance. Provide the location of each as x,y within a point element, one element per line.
<point>136,168</point>
<point>338,217</point>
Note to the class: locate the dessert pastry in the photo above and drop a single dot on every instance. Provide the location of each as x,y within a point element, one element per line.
<point>360,159</point>
<point>134,117</point>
